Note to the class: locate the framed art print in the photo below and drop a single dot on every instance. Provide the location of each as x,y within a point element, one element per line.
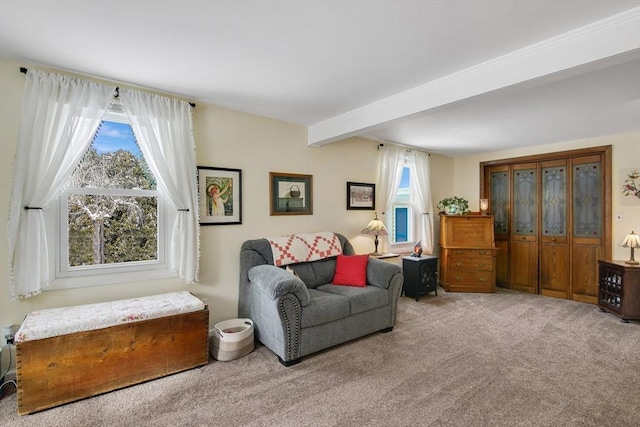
<point>220,195</point>
<point>290,194</point>
<point>361,196</point>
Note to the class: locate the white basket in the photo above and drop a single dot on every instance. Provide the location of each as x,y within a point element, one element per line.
<point>231,339</point>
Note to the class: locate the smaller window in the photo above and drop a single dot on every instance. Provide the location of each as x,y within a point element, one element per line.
<point>401,212</point>
<point>401,224</point>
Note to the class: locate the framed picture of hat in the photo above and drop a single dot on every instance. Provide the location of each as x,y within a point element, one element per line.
<point>290,194</point>
<point>219,195</point>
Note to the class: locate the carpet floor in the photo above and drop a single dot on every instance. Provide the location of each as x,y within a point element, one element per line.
<point>503,359</point>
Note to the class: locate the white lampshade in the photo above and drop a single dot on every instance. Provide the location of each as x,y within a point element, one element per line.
<point>631,241</point>
<point>375,228</point>
<point>484,205</point>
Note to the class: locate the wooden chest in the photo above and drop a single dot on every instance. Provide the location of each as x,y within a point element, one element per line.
<point>65,368</point>
<point>468,253</point>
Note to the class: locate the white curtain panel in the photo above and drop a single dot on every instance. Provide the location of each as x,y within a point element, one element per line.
<point>420,189</point>
<point>391,165</point>
<point>60,115</point>
<point>163,129</point>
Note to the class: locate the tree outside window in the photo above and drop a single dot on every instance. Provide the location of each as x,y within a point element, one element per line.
<point>112,202</point>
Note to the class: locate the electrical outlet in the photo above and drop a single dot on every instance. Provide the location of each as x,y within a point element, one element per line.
<point>618,216</point>
<point>10,333</point>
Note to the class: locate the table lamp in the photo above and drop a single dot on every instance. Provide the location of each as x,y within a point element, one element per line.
<point>484,206</point>
<point>631,241</point>
<point>376,227</point>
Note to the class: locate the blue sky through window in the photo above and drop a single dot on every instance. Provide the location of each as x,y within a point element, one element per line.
<point>404,181</point>
<point>403,190</point>
<point>113,136</point>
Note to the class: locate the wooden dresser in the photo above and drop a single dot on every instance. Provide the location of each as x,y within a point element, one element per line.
<point>468,253</point>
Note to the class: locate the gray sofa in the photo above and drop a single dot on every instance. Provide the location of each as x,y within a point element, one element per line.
<point>296,315</point>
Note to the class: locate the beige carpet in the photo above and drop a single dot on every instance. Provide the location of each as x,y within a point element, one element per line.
<point>504,359</point>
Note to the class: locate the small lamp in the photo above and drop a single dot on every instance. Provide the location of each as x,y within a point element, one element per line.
<point>631,241</point>
<point>484,206</point>
<point>376,228</point>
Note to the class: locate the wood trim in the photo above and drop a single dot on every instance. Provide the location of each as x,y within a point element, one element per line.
<point>603,154</point>
<point>547,156</point>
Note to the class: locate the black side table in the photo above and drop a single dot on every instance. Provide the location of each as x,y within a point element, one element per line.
<point>420,275</point>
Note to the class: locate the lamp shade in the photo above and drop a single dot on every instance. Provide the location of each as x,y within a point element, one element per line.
<point>631,241</point>
<point>376,228</point>
<point>484,206</point>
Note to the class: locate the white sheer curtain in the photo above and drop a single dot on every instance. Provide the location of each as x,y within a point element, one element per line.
<point>163,129</point>
<point>391,165</point>
<point>60,115</point>
<point>420,190</point>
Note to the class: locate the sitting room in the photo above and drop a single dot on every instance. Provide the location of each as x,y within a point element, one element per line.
<point>462,179</point>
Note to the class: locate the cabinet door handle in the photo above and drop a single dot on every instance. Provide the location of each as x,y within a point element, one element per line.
<point>459,264</point>
<point>483,252</point>
<point>482,279</point>
<point>482,264</point>
<point>458,278</point>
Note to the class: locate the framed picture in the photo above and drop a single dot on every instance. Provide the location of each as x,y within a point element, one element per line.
<point>290,194</point>
<point>220,195</point>
<point>361,196</point>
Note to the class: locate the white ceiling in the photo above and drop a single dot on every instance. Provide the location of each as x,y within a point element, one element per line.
<point>453,77</point>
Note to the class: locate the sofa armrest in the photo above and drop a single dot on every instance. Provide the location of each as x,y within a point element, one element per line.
<point>275,282</point>
<point>381,273</point>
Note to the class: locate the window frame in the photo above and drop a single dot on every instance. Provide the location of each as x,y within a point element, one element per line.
<point>394,217</point>
<point>401,247</point>
<point>62,276</point>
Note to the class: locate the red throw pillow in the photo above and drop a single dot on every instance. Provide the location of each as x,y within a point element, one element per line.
<point>351,270</point>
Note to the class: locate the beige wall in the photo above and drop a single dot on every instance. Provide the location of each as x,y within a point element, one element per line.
<point>258,145</point>
<point>224,138</point>
<point>625,155</point>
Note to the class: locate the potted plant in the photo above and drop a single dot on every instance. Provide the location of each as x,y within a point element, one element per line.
<point>453,206</point>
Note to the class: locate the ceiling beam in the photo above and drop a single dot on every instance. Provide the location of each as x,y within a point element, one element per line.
<point>607,38</point>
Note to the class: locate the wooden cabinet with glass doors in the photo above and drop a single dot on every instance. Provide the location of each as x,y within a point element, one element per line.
<point>552,220</point>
